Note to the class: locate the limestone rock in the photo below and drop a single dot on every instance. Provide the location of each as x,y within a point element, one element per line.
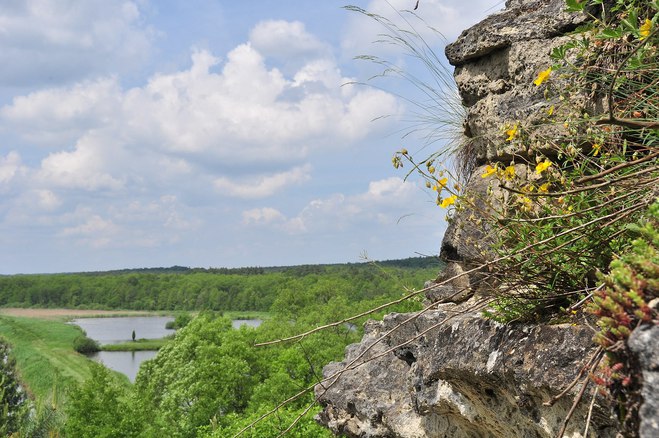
<point>644,342</point>
<point>465,377</point>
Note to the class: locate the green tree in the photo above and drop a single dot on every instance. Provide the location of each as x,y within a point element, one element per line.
<point>99,408</point>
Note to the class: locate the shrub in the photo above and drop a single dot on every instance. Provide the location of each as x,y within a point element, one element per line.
<point>85,345</point>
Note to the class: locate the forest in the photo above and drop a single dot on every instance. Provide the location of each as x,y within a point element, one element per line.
<point>180,288</point>
<point>210,380</point>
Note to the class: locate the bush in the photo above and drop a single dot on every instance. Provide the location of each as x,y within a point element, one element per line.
<point>85,345</point>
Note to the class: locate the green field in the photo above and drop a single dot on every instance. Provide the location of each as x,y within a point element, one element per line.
<point>44,354</point>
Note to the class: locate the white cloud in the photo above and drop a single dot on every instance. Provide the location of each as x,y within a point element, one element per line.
<point>262,216</point>
<point>52,42</point>
<point>385,201</point>
<point>263,186</point>
<point>196,124</point>
<point>10,165</point>
<point>286,40</point>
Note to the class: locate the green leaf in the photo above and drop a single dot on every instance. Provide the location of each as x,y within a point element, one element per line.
<point>609,33</point>
<point>575,5</point>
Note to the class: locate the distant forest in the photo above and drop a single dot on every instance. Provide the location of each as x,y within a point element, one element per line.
<point>218,289</point>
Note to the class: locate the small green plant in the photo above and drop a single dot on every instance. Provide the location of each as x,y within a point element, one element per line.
<point>85,345</point>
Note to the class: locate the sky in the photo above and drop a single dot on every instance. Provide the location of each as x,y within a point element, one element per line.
<point>212,133</point>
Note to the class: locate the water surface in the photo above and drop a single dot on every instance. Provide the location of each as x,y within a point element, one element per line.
<point>120,329</point>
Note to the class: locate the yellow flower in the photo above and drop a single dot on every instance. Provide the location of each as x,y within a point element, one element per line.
<point>526,202</point>
<point>646,29</point>
<point>511,133</point>
<point>544,188</point>
<point>509,173</point>
<point>550,110</point>
<point>528,188</point>
<point>489,170</point>
<point>596,149</point>
<point>542,76</point>
<point>541,167</point>
<point>440,184</point>
<point>403,151</point>
<point>448,201</point>
<point>431,169</point>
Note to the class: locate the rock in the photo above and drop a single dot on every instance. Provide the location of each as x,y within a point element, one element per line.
<point>644,342</point>
<point>442,375</point>
<point>520,21</point>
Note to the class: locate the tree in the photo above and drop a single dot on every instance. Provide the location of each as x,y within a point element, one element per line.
<point>99,408</point>
<point>13,402</point>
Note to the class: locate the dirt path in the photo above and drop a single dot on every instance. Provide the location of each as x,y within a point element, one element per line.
<point>67,313</point>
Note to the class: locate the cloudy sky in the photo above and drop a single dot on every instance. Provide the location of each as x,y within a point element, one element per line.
<point>209,133</point>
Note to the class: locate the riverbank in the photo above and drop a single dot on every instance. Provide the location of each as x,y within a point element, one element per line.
<point>62,314</point>
<point>44,355</point>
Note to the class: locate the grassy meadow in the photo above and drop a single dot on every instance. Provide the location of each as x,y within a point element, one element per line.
<point>44,354</point>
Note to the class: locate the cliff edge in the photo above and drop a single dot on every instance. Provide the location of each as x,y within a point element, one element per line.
<point>449,372</point>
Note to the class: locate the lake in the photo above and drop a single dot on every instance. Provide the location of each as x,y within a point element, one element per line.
<point>120,329</point>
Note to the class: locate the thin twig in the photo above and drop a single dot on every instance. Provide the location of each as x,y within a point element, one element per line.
<point>615,168</point>
<point>590,412</point>
<point>583,369</point>
<point>579,396</point>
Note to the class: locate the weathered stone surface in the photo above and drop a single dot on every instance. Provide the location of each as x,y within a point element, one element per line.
<point>466,377</point>
<point>644,342</point>
<point>520,21</point>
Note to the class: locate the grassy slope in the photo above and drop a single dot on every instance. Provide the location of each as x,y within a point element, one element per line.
<point>44,354</point>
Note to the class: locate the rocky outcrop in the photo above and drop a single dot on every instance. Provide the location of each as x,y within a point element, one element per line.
<point>496,63</point>
<point>450,372</point>
<point>448,375</point>
<point>643,342</point>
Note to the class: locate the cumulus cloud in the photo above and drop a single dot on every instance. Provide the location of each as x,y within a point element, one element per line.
<point>263,186</point>
<point>385,201</point>
<point>262,216</point>
<point>200,121</point>
<point>10,166</point>
<point>53,42</point>
<point>286,40</point>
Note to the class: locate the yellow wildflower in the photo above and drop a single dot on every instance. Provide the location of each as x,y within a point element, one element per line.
<point>646,29</point>
<point>448,201</point>
<point>542,76</point>
<point>431,169</point>
<point>541,167</point>
<point>528,188</point>
<point>544,188</point>
<point>489,170</point>
<point>440,184</point>
<point>550,110</point>
<point>509,173</point>
<point>526,202</point>
<point>596,149</point>
<point>511,133</point>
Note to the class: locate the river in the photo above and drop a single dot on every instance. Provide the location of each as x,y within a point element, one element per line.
<point>120,329</point>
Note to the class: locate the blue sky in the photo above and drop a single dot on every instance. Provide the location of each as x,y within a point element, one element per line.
<point>208,133</point>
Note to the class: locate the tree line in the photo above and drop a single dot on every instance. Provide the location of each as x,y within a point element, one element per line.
<point>201,289</point>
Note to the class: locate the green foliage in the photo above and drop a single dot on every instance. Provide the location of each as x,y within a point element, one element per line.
<point>44,354</point>
<point>181,320</point>
<point>199,289</point>
<point>99,408</point>
<point>568,200</point>
<point>620,306</point>
<point>13,400</point>
<point>85,345</point>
